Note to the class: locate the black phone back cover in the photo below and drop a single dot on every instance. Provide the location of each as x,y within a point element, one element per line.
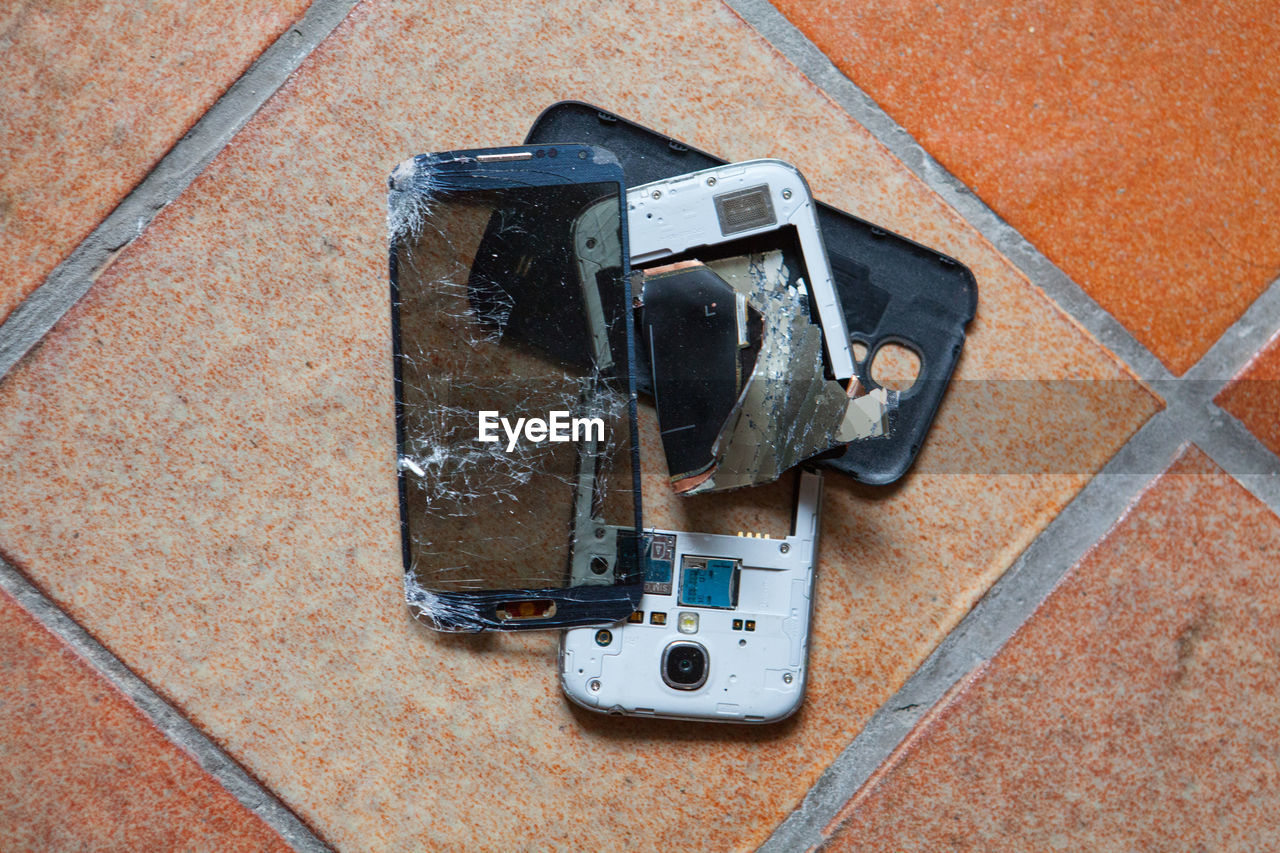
<point>893,290</point>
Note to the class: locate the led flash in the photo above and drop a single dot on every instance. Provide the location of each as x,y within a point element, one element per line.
<point>687,623</point>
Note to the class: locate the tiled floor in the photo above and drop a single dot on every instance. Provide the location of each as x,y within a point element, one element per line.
<point>93,95</point>
<point>1137,146</point>
<point>83,769</point>
<point>1254,395</point>
<point>198,456</point>
<point>1136,711</point>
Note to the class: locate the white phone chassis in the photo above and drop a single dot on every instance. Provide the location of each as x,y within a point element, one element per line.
<point>753,676</point>
<point>674,215</point>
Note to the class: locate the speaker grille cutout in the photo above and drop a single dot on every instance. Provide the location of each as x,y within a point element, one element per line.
<point>743,210</point>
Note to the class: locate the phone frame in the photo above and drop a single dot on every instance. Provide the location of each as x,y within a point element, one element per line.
<point>672,216</point>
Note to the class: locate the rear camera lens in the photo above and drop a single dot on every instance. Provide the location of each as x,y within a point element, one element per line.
<point>684,666</point>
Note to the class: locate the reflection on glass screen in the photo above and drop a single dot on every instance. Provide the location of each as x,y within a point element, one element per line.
<point>511,328</point>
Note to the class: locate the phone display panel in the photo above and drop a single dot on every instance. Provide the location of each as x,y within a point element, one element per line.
<point>515,387</point>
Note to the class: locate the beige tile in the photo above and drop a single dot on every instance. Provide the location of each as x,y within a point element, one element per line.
<point>201,454</point>
<point>1134,711</point>
<point>94,95</point>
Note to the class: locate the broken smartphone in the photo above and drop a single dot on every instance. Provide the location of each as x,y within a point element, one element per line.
<point>515,388</point>
<point>742,334</point>
<point>892,289</point>
<point>722,632</point>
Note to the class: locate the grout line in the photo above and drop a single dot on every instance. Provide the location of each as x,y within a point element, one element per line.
<point>1004,608</point>
<point>1239,452</point>
<point>1189,416</point>
<point>71,279</point>
<point>1242,340</point>
<point>814,64</point>
<point>177,728</point>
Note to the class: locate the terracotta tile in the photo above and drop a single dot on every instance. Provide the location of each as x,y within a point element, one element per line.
<point>1254,395</point>
<point>1136,710</point>
<point>1134,145</point>
<point>95,93</point>
<point>214,425</point>
<point>81,768</point>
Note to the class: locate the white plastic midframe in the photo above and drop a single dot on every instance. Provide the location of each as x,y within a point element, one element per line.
<point>675,215</point>
<point>756,676</point>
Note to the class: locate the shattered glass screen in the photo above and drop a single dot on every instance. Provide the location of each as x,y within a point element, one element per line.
<point>516,434</point>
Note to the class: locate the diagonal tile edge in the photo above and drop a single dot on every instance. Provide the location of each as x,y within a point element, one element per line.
<point>1043,273</point>
<point>1242,340</point>
<point>71,279</point>
<point>180,731</point>
<point>996,617</point>
<point>955,692</point>
<point>1153,526</point>
<point>1239,453</point>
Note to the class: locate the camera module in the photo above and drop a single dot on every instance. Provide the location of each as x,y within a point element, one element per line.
<point>684,665</point>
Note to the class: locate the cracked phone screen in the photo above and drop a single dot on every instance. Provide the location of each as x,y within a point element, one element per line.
<point>518,455</point>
